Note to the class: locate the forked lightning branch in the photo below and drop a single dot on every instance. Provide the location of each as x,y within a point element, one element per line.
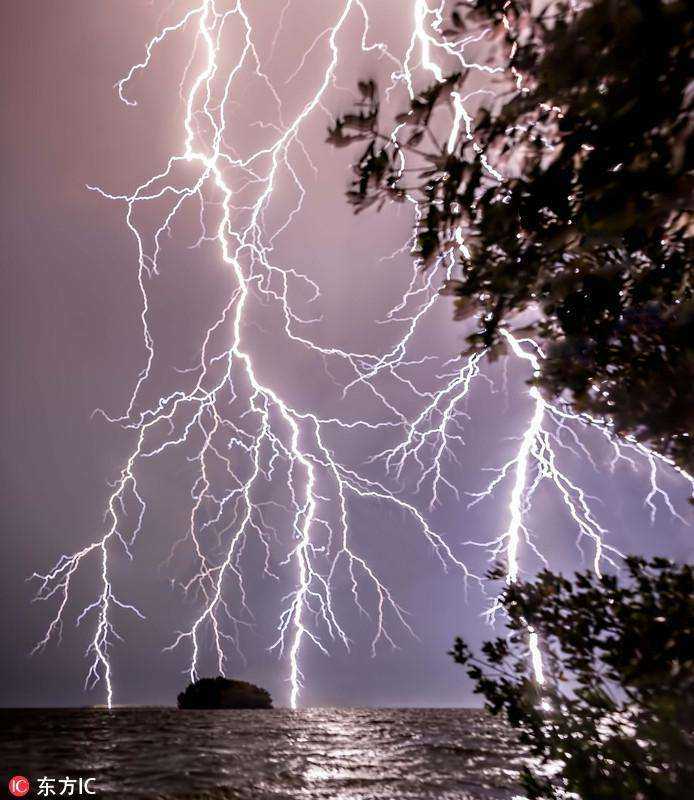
<point>230,418</point>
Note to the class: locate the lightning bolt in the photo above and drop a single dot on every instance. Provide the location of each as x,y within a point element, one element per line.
<point>239,424</point>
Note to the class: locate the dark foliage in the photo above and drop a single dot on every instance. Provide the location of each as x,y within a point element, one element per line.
<point>223,693</point>
<point>617,706</point>
<point>591,226</point>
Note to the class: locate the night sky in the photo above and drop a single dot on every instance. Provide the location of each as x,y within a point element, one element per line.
<point>72,342</point>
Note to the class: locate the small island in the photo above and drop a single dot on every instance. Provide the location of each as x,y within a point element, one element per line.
<point>223,693</point>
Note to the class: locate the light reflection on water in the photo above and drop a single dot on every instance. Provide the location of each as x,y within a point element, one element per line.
<point>316,754</point>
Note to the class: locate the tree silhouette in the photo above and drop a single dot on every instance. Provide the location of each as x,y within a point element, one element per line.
<point>570,199</point>
<point>223,693</point>
<point>616,710</point>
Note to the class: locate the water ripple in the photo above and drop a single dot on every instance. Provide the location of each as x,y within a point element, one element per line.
<point>315,754</point>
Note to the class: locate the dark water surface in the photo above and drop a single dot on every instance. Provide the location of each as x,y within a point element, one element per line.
<point>355,754</point>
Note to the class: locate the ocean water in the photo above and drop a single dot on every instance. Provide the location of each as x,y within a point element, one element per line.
<point>346,754</point>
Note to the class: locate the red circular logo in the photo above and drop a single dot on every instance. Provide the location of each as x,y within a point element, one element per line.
<point>19,786</point>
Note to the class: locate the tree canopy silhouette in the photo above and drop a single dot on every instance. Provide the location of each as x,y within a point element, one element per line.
<point>570,198</point>
<point>223,693</point>
<point>616,711</point>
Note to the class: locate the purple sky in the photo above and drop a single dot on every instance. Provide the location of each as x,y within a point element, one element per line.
<point>72,342</point>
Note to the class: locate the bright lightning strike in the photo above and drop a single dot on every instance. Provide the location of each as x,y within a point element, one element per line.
<point>241,431</point>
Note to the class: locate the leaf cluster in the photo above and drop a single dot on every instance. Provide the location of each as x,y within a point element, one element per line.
<point>616,711</point>
<point>573,198</point>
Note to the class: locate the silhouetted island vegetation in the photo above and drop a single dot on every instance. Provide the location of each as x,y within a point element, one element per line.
<point>223,693</point>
